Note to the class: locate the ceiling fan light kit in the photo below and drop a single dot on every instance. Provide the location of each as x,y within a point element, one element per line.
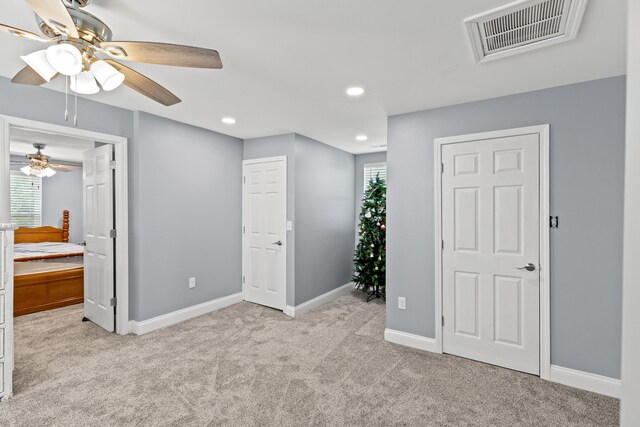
<point>82,49</point>
<point>40,173</point>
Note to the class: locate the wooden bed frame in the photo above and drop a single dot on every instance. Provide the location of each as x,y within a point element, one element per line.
<point>44,291</point>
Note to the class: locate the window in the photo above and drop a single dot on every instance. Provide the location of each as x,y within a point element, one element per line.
<point>373,169</point>
<point>26,199</point>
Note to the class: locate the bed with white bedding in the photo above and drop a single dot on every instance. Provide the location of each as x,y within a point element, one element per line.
<point>46,250</point>
<point>48,270</point>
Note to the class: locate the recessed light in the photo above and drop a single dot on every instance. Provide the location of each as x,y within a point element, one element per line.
<point>228,120</point>
<point>362,137</point>
<point>355,91</point>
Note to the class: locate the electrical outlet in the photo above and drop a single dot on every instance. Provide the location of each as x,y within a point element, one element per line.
<point>289,225</point>
<point>402,303</point>
<point>192,282</point>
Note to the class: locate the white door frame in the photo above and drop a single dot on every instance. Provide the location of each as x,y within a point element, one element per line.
<point>121,188</point>
<point>286,196</point>
<point>545,310</point>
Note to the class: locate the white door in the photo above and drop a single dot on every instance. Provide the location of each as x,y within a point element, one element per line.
<point>265,223</point>
<point>99,289</point>
<point>490,230</point>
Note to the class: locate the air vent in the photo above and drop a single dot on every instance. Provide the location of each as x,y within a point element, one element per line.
<point>378,146</point>
<point>524,25</point>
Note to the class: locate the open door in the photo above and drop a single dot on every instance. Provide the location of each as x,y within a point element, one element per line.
<point>99,285</point>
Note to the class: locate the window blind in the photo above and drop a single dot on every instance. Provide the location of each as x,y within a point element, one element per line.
<point>26,199</point>
<point>372,170</point>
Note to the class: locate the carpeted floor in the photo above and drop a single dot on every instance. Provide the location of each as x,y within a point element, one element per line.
<point>249,365</point>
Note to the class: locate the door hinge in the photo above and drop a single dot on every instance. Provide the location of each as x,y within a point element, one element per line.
<point>113,301</point>
<point>441,167</point>
<point>243,231</point>
<point>243,279</point>
<point>113,233</point>
<point>112,164</point>
<point>442,320</point>
<point>244,179</point>
<point>442,244</point>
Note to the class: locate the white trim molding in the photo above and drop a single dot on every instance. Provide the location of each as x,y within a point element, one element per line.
<point>545,276</point>
<point>411,340</point>
<point>586,381</point>
<point>299,310</point>
<point>159,322</point>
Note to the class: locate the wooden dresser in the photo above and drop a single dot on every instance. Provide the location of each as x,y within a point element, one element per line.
<point>6,309</point>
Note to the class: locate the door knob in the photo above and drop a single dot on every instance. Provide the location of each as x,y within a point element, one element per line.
<point>279,243</point>
<point>528,267</point>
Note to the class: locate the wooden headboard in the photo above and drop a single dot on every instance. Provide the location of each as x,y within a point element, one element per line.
<point>44,234</point>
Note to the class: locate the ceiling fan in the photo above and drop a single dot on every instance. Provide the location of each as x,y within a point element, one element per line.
<point>39,164</point>
<point>81,46</point>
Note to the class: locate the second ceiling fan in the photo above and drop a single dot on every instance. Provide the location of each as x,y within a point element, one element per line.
<point>81,47</point>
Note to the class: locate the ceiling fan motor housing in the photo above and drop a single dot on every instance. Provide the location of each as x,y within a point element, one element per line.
<point>90,28</point>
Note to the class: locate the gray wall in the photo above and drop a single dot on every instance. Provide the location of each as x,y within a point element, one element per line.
<point>320,203</point>
<point>63,191</point>
<point>189,215</point>
<point>586,154</point>
<point>361,160</point>
<point>273,146</point>
<point>325,225</point>
<point>169,240</point>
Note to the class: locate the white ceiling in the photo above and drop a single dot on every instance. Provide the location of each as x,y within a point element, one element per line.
<point>287,63</point>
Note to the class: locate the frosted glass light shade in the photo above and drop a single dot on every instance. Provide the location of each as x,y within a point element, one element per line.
<point>109,77</point>
<point>48,172</point>
<point>65,59</point>
<point>38,61</point>
<point>84,83</point>
<point>26,170</point>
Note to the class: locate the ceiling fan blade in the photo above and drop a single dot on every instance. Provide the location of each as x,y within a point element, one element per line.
<point>54,13</point>
<point>163,54</point>
<point>65,168</point>
<point>28,76</point>
<point>21,33</point>
<point>145,85</point>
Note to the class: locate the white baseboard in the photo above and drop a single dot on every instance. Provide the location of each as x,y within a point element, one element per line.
<point>586,381</point>
<point>178,316</point>
<point>411,340</point>
<point>317,301</point>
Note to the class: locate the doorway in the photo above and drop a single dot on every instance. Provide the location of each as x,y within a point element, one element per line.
<point>264,231</point>
<point>116,169</point>
<point>492,256</point>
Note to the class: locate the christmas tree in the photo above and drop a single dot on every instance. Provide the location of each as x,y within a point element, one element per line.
<point>370,255</point>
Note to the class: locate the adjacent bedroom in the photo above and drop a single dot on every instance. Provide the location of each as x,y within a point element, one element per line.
<point>47,204</point>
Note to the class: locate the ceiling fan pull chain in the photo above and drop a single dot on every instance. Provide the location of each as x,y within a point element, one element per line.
<point>66,98</point>
<point>75,109</point>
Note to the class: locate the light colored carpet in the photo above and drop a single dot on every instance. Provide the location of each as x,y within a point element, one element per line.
<point>249,365</point>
